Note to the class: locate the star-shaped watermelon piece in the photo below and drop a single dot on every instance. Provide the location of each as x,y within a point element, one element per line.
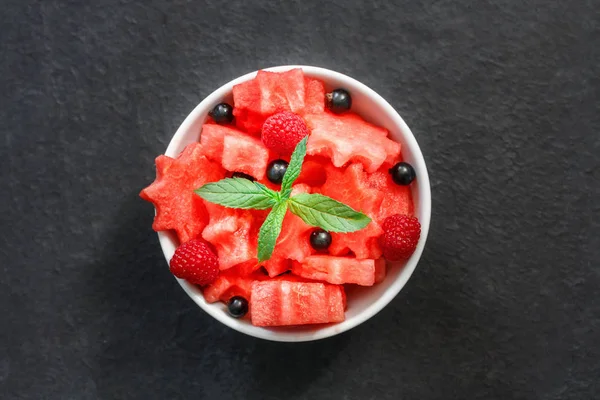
<point>172,193</point>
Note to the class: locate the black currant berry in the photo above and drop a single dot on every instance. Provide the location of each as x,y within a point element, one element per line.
<point>339,100</point>
<point>222,113</point>
<point>276,170</point>
<point>237,307</point>
<point>403,173</point>
<point>320,239</point>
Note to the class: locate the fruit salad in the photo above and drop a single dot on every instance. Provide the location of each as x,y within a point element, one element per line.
<point>287,198</point>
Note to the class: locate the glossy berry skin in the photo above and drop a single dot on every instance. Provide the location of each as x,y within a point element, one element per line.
<point>283,131</point>
<point>195,262</point>
<point>403,173</point>
<point>339,101</point>
<point>243,175</point>
<point>237,307</point>
<point>320,239</point>
<point>222,113</point>
<point>400,236</point>
<point>275,170</point>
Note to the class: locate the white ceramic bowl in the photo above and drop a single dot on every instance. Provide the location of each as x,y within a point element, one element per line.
<point>363,302</point>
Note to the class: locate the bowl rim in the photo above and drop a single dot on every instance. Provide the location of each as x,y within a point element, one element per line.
<point>217,310</point>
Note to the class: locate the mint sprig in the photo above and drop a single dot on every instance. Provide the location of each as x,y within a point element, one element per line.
<point>294,168</point>
<point>270,230</point>
<point>239,193</point>
<point>314,209</point>
<point>327,213</point>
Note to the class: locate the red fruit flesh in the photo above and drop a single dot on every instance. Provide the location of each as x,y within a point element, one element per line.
<point>380,270</point>
<point>292,244</point>
<point>246,96</point>
<point>229,284</point>
<point>229,231</point>
<point>236,151</point>
<point>397,199</point>
<point>313,171</point>
<point>277,265</point>
<point>337,270</point>
<point>247,106</point>
<point>315,96</point>
<point>347,138</point>
<point>293,85</point>
<point>249,121</point>
<point>350,186</point>
<point>364,243</point>
<point>272,95</point>
<point>265,95</point>
<point>172,193</point>
<point>280,303</point>
<point>212,137</point>
<point>245,154</point>
<point>246,268</point>
<point>273,92</point>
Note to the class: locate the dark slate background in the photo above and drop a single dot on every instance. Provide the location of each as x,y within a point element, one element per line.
<point>503,97</point>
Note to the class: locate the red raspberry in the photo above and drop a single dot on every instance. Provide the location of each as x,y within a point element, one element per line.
<point>195,262</point>
<point>282,132</point>
<point>400,236</point>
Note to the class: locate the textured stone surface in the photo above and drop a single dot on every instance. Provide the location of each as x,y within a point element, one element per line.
<point>504,98</point>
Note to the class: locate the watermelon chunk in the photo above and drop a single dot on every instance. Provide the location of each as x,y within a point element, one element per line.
<point>350,186</point>
<point>313,171</point>
<point>281,91</point>
<point>245,154</point>
<point>280,302</point>
<point>273,92</point>
<point>294,89</point>
<point>248,267</point>
<point>348,138</point>
<point>277,265</point>
<point>380,270</point>
<point>363,244</point>
<point>229,231</point>
<point>246,96</point>
<point>229,284</point>
<point>247,106</point>
<point>249,121</point>
<point>235,150</point>
<point>172,193</point>
<point>337,270</point>
<point>315,96</point>
<point>212,137</point>
<point>292,244</point>
<point>267,94</point>
<point>397,199</point>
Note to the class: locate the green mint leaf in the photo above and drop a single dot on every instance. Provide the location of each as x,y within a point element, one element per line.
<point>327,213</point>
<point>294,168</point>
<point>286,195</point>
<point>270,230</point>
<point>238,193</point>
